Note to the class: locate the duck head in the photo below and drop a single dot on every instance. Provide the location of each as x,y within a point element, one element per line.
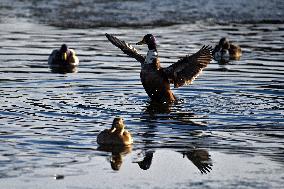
<point>63,52</point>
<point>117,125</point>
<point>224,43</point>
<point>149,40</point>
<point>222,54</point>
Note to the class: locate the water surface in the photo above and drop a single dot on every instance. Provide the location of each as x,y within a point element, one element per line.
<point>225,130</point>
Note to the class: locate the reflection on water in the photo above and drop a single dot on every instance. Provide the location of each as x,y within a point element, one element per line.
<point>64,69</point>
<point>231,113</point>
<point>146,162</point>
<point>170,112</point>
<point>117,153</point>
<point>200,158</point>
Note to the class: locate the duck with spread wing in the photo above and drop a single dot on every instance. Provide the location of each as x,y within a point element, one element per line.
<point>155,79</point>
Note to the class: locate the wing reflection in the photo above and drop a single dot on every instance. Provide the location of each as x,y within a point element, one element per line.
<point>200,158</point>
<point>146,162</point>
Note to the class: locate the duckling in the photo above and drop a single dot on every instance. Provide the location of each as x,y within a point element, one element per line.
<point>225,51</point>
<point>155,79</point>
<point>63,57</point>
<point>117,135</point>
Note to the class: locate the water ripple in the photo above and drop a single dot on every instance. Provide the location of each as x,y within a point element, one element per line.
<point>52,120</point>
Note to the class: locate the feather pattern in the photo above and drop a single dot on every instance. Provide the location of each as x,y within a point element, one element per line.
<point>185,70</point>
<point>126,48</point>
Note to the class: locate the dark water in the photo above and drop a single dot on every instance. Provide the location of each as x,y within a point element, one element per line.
<point>49,121</point>
<point>113,13</point>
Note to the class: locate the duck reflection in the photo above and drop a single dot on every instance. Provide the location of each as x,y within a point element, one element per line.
<point>199,157</point>
<point>117,154</point>
<point>63,69</point>
<point>154,108</point>
<point>171,111</point>
<point>146,162</point>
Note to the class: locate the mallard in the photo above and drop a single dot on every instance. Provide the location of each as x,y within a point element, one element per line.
<point>155,79</point>
<point>225,51</point>
<point>117,135</point>
<point>64,57</point>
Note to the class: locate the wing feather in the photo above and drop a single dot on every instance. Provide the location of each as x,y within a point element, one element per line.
<point>126,48</point>
<point>185,70</point>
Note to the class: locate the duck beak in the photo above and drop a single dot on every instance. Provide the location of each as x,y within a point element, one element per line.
<point>141,42</point>
<point>64,56</point>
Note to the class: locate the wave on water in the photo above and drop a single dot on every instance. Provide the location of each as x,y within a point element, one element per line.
<point>110,13</point>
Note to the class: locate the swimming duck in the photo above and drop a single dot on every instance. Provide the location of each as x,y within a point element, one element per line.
<point>63,57</point>
<point>117,135</point>
<point>155,79</point>
<point>225,51</point>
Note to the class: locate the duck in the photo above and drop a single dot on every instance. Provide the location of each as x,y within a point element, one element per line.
<point>155,79</point>
<point>63,57</point>
<point>226,51</point>
<point>116,135</point>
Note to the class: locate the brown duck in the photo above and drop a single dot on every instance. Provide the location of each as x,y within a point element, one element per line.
<point>155,79</point>
<point>117,135</point>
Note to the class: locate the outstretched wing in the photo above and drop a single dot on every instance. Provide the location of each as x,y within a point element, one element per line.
<point>126,48</point>
<point>185,70</point>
